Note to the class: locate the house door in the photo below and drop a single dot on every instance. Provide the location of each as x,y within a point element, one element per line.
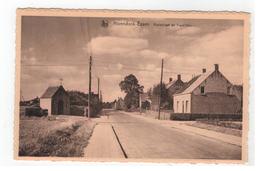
<point>60,107</point>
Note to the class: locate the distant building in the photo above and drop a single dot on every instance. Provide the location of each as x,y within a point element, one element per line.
<point>173,86</point>
<point>144,101</point>
<point>208,93</point>
<point>56,100</point>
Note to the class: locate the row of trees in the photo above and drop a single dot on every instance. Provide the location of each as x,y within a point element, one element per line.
<point>132,88</point>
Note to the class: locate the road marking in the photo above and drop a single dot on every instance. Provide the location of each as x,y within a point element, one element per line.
<point>119,142</point>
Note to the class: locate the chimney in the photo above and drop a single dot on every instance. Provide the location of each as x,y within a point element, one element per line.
<point>216,67</point>
<point>179,77</point>
<point>170,79</point>
<point>204,70</point>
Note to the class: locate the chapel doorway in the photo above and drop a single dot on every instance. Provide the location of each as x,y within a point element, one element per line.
<point>60,107</point>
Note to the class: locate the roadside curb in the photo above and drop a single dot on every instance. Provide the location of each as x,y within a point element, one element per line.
<point>231,139</point>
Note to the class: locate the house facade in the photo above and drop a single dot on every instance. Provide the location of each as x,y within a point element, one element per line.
<point>208,93</point>
<point>56,100</point>
<point>237,90</point>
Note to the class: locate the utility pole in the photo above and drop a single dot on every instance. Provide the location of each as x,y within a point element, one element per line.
<point>140,103</point>
<point>89,86</point>
<point>159,111</point>
<point>98,88</point>
<point>101,96</point>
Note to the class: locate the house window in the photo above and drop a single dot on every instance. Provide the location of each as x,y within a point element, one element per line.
<point>177,107</point>
<point>187,105</point>
<point>202,89</point>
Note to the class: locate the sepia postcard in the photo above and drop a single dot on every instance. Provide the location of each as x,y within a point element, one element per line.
<point>132,86</point>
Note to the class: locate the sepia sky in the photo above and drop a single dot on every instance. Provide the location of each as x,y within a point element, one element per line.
<point>59,47</point>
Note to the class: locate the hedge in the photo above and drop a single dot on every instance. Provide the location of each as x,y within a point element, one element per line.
<point>199,116</point>
<point>77,110</point>
<point>35,111</point>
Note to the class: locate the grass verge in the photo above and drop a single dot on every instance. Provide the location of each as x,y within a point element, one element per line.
<point>222,128</point>
<point>61,138</point>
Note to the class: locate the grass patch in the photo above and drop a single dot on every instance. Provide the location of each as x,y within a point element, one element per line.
<point>226,127</point>
<point>226,124</point>
<point>61,138</point>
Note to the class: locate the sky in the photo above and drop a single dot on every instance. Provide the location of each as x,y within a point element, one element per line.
<point>55,48</point>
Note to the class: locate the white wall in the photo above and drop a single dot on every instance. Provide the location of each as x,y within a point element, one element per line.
<point>182,103</point>
<point>45,103</point>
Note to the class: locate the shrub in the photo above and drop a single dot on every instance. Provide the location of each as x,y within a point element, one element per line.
<point>199,116</point>
<point>35,111</point>
<point>77,110</point>
<point>226,124</point>
<point>45,112</point>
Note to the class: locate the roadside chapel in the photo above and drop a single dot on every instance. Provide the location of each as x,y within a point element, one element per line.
<point>56,100</point>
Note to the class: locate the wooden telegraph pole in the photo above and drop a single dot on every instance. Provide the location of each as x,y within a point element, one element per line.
<point>100,96</point>
<point>89,86</point>
<point>160,96</point>
<point>98,88</point>
<point>140,103</point>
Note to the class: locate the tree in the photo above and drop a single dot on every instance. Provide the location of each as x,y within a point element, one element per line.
<point>150,92</point>
<point>166,99</point>
<point>132,89</point>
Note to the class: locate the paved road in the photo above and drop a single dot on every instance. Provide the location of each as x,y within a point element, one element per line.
<point>142,139</point>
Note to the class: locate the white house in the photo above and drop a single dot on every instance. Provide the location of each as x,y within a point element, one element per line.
<point>208,93</point>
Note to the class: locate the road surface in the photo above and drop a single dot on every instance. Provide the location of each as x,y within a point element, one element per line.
<point>142,139</point>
